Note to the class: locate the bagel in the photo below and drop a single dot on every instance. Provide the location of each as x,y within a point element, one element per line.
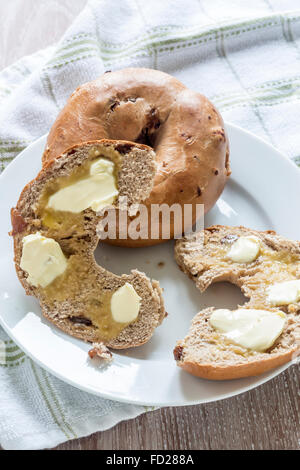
<point>151,107</point>
<point>56,231</point>
<point>206,258</point>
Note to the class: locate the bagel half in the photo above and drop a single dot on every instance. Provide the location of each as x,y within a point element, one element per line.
<point>205,352</point>
<point>78,301</point>
<point>151,107</point>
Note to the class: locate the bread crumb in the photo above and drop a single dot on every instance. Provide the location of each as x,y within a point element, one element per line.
<point>161,264</point>
<point>101,351</point>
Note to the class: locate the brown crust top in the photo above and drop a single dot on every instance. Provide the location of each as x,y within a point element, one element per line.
<point>204,352</point>
<point>148,106</point>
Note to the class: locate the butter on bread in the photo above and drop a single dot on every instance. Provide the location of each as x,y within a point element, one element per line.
<point>54,243</point>
<point>218,353</point>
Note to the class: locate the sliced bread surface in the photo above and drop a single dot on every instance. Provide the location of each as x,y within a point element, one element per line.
<point>206,353</point>
<point>78,301</point>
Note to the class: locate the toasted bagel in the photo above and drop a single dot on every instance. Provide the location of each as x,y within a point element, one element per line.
<point>78,299</point>
<point>207,353</point>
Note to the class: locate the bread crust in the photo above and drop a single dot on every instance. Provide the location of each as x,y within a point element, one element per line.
<point>144,105</point>
<point>24,221</point>
<point>197,353</point>
<point>237,371</point>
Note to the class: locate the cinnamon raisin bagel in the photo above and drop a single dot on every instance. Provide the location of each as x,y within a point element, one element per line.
<point>56,228</point>
<point>151,107</point>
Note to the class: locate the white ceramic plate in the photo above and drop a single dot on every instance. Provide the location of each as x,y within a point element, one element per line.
<point>263,193</point>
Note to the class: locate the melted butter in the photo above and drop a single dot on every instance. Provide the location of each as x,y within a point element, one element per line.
<point>253,329</point>
<point>64,221</point>
<point>60,222</point>
<point>63,224</point>
<point>265,255</point>
<point>78,281</point>
<point>95,191</point>
<point>272,267</point>
<point>245,249</point>
<point>223,344</point>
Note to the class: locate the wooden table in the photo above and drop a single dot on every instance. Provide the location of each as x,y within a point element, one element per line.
<point>265,418</point>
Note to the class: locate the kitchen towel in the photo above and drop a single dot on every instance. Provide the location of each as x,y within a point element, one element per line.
<point>245,56</point>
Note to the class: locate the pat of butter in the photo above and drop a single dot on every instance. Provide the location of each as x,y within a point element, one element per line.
<point>125,304</point>
<point>284,293</point>
<point>96,191</point>
<point>43,259</point>
<point>244,250</point>
<point>249,328</point>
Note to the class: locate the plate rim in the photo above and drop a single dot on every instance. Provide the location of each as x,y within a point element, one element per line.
<point>108,396</point>
<point>91,389</point>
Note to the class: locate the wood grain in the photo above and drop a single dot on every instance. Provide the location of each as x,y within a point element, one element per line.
<point>265,418</point>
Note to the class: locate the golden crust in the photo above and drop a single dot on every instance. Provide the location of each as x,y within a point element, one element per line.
<point>149,106</point>
<point>235,371</point>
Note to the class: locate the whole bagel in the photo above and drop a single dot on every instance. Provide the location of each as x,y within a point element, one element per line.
<point>151,107</point>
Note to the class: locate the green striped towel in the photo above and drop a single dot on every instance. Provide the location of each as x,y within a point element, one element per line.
<point>245,57</point>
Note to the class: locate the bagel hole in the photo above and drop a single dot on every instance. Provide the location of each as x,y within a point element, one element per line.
<point>223,295</point>
<point>149,132</point>
<point>146,139</point>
